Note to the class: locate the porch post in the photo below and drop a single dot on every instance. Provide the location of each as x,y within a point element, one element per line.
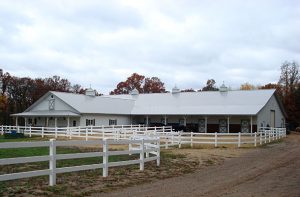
<point>147,121</point>
<point>228,124</point>
<point>68,121</point>
<point>184,123</point>
<point>165,120</point>
<point>47,122</point>
<point>17,121</point>
<point>25,122</point>
<point>251,126</point>
<point>205,124</point>
<point>55,122</point>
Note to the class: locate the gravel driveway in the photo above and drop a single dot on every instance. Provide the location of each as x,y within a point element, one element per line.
<point>271,170</point>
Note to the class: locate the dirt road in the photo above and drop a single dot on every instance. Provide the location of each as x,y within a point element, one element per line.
<point>272,170</point>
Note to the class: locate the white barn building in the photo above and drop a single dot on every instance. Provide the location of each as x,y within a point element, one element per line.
<point>215,111</point>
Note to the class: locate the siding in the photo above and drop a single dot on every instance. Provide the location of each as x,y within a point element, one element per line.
<point>104,119</point>
<point>264,116</point>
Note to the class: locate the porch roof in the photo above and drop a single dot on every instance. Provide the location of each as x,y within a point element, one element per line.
<point>47,113</point>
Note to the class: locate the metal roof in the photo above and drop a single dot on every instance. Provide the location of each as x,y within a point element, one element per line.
<point>96,104</point>
<point>182,103</point>
<point>200,103</point>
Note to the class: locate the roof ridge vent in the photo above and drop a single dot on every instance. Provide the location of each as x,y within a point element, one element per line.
<point>134,92</point>
<point>175,90</point>
<point>90,92</point>
<point>223,88</point>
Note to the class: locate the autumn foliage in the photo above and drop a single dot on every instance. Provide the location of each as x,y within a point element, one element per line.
<point>140,83</point>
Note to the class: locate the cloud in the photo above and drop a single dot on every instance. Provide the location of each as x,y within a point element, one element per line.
<point>184,42</point>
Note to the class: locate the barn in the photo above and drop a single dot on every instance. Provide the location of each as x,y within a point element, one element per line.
<point>208,111</point>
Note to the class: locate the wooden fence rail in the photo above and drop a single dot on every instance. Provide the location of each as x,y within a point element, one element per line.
<point>149,146</point>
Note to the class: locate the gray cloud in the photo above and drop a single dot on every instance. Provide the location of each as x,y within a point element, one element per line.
<point>184,43</point>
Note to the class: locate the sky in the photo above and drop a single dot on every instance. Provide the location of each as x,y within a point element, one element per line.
<point>183,42</point>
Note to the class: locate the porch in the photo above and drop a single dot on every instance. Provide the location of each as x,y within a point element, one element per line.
<point>202,124</point>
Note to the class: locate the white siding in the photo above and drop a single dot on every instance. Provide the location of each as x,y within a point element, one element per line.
<point>104,119</point>
<point>59,105</point>
<point>264,116</point>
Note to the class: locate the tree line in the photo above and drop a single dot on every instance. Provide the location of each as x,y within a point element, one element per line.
<point>18,93</point>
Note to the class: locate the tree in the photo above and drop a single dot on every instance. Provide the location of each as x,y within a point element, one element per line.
<point>153,85</point>
<point>247,86</point>
<point>289,84</point>
<point>139,82</point>
<point>269,86</point>
<point>210,85</point>
<point>188,90</point>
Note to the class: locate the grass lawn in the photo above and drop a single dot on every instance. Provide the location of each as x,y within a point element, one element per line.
<point>85,182</point>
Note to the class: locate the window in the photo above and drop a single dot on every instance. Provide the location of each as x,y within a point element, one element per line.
<point>74,123</point>
<point>89,122</point>
<point>35,121</point>
<point>181,122</point>
<point>112,122</point>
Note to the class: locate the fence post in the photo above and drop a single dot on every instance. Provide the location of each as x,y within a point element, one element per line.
<point>166,142</point>
<point>255,139</point>
<point>180,140</point>
<point>260,138</point>
<point>142,155</point>
<point>2,131</point>
<point>29,131</point>
<point>105,158</point>
<point>216,140</point>
<point>265,132</point>
<point>191,139</point>
<point>52,163</point>
<point>102,132</point>
<point>86,134</point>
<point>239,140</point>
<point>70,132</point>
<point>42,132</point>
<point>158,152</point>
<point>269,135</point>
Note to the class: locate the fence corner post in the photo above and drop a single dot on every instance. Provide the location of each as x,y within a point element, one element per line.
<point>158,152</point>
<point>255,139</point>
<point>42,132</point>
<point>105,158</point>
<point>52,163</point>
<point>239,140</point>
<point>142,155</point>
<point>216,139</point>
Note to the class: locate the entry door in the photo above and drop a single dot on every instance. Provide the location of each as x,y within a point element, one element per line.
<point>245,126</point>
<point>201,126</point>
<point>272,122</point>
<point>223,126</point>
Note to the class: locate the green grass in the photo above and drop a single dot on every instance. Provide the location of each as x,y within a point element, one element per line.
<point>24,139</point>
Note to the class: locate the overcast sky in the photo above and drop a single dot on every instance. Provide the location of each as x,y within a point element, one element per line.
<point>182,42</point>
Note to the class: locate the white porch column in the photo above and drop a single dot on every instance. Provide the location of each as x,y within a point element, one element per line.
<point>184,121</point>
<point>147,121</point>
<point>205,124</point>
<point>47,122</point>
<point>165,120</point>
<point>68,121</point>
<point>228,124</point>
<point>55,122</point>
<point>251,126</point>
<point>17,124</point>
<point>25,122</point>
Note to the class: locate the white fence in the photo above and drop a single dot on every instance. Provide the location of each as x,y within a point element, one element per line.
<point>150,147</point>
<point>168,137</point>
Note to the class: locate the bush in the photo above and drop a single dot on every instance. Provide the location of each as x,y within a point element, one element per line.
<point>13,135</point>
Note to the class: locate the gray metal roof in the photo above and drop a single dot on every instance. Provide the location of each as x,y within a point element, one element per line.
<point>183,103</point>
<point>200,103</point>
<point>96,104</point>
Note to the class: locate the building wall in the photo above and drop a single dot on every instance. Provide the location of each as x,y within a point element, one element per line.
<point>264,116</point>
<point>59,104</point>
<point>104,119</point>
